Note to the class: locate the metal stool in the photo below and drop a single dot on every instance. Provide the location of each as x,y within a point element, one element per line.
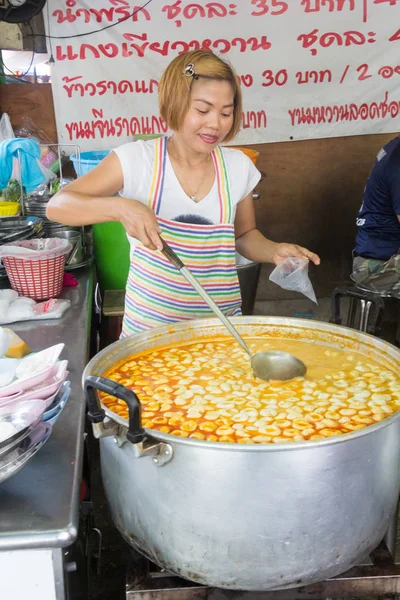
<point>366,300</point>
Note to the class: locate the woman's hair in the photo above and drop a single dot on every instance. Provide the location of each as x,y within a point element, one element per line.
<point>175,86</point>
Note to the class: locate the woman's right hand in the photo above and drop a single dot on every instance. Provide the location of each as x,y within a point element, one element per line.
<point>140,222</point>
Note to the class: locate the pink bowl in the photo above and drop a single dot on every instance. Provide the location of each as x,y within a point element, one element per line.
<point>49,357</point>
<point>44,389</point>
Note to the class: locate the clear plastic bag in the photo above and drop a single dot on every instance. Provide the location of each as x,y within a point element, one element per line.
<point>36,249</point>
<point>6,130</point>
<point>48,176</point>
<point>292,274</point>
<point>26,309</point>
<point>48,157</point>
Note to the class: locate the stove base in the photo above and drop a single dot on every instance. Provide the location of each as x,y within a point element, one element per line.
<point>379,578</point>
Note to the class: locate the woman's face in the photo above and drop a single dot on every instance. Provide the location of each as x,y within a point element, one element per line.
<point>210,115</point>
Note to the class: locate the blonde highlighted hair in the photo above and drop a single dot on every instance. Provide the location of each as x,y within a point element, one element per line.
<point>175,85</point>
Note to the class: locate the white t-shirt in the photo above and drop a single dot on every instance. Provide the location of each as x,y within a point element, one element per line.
<point>137,162</point>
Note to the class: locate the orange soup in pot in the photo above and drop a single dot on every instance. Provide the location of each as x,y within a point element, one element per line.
<point>206,390</point>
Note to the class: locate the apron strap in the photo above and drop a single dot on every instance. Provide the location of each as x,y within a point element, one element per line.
<point>223,185</point>
<point>157,180</point>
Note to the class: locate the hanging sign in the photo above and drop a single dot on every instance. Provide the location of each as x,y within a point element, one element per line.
<point>308,68</point>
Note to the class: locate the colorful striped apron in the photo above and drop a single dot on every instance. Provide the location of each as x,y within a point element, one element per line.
<point>156,292</point>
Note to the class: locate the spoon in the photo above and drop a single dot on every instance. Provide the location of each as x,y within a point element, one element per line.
<point>271,364</point>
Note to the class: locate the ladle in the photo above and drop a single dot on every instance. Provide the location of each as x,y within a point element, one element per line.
<point>266,365</point>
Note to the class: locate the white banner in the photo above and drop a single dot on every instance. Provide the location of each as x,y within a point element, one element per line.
<point>309,68</point>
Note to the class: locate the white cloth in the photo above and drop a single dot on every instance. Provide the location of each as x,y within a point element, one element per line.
<point>137,159</point>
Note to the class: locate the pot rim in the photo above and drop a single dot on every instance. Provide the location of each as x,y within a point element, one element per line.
<point>160,332</point>
<point>268,447</point>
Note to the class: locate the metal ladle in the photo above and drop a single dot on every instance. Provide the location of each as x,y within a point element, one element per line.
<point>270,364</point>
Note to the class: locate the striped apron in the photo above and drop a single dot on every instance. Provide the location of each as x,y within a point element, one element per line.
<point>156,292</point>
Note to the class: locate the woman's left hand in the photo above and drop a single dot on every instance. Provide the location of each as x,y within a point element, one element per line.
<point>284,250</point>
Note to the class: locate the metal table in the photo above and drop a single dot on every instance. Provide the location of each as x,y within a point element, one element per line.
<point>39,507</point>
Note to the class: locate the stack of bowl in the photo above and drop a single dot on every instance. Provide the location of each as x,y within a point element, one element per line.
<point>25,425</point>
<point>36,205</point>
<point>32,398</point>
<point>80,237</point>
<point>22,434</point>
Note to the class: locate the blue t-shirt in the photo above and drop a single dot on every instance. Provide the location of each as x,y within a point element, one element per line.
<point>378,233</point>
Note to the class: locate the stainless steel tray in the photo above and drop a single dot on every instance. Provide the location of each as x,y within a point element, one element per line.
<point>13,223</point>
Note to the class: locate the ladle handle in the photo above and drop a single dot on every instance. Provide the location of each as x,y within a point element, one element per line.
<point>171,255</point>
<point>176,261</point>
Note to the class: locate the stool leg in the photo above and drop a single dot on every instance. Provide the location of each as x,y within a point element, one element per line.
<point>368,305</point>
<point>362,314</point>
<point>351,315</point>
<point>397,339</point>
<point>335,307</point>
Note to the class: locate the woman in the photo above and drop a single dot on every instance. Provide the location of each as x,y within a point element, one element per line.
<point>185,187</point>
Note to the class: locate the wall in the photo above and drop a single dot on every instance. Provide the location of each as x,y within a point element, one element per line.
<point>310,195</point>
<point>18,36</point>
<point>31,100</point>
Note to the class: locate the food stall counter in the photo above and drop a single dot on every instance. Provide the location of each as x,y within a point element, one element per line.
<point>39,506</point>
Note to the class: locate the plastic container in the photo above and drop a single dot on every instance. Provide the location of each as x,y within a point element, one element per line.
<point>35,268</point>
<point>9,209</point>
<point>112,251</point>
<point>88,160</point>
<point>252,154</point>
<point>111,246</point>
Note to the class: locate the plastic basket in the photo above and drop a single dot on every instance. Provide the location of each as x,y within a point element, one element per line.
<point>88,161</point>
<point>37,279</point>
<point>35,267</point>
<point>9,209</point>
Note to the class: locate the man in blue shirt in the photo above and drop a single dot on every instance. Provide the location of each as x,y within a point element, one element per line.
<point>376,262</point>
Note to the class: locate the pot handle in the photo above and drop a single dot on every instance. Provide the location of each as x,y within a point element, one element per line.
<point>96,414</point>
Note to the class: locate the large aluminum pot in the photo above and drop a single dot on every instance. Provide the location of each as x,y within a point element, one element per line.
<point>250,517</point>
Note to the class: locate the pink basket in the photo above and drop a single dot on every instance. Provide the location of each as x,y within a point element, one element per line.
<point>37,279</point>
<point>35,267</point>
